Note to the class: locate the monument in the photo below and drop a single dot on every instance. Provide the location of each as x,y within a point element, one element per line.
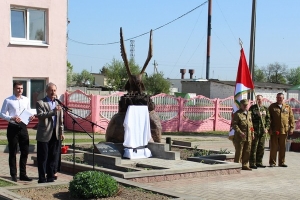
<point>135,96</point>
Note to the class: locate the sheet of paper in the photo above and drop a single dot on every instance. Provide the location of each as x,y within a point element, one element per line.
<point>25,116</point>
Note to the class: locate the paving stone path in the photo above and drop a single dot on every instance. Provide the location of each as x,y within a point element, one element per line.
<point>268,183</point>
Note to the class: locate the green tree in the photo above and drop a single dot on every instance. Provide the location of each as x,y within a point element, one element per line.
<point>69,73</point>
<point>276,73</point>
<point>293,76</point>
<point>156,83</point>
<point>103,70</point>
<point>83,79</point>
<point>277,78</point>
<point>259,75</point>
<point>116,73</point>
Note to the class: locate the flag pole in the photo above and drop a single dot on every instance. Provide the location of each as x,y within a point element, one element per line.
<point>241,43</point>
<point>252,44</point>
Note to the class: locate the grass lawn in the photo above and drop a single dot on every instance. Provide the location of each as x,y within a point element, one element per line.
<point>5,183</point>
<point>208,133</point>
<point>67,141</point>
<point>193,139</point>
<point>33,132</point>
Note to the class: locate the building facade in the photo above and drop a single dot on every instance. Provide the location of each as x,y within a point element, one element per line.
<point>33,46</point>
<point>223,89</point>
<point>99,80</point>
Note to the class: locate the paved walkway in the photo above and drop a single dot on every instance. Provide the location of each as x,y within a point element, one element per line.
<point>268,183</point>
<point>31,171</point>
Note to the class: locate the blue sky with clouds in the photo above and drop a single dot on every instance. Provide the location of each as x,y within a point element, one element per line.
<point>182,44</point>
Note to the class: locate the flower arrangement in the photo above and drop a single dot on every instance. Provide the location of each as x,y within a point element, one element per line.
<point>64,149</point>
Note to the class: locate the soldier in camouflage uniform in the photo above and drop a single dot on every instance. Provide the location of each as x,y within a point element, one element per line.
<point>261,124</point>
<point>243,134</point>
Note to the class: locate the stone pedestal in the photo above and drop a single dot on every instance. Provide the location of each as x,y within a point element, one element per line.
<point>115,130</point>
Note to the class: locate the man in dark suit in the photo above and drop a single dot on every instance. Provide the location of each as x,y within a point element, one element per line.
<point>49,131</point>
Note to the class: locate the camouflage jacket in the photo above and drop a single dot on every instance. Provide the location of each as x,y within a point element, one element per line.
<point>260,122</point>
<point>242,123</point>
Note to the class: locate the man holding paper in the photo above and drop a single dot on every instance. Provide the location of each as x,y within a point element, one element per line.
<point>11,110</point>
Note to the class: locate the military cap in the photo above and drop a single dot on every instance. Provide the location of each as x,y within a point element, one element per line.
<point>244,102</point>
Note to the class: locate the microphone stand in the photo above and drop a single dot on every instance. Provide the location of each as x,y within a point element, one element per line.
<point>68,111</point>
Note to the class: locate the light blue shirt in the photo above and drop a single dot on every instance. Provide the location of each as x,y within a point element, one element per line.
<point>52,105</point>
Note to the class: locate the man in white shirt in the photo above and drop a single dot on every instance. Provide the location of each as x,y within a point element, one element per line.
<point>16,131</point>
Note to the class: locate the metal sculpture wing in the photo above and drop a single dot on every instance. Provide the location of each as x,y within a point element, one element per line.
<point>134,84</point>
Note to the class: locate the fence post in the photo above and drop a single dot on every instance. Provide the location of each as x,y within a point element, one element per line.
<point>180,113</point>
<point>92,107</point>
<point>217,111</point>
<point>95,110</point>
<point>66,101</point>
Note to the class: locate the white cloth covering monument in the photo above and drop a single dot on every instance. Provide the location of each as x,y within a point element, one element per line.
<point>136,121</point>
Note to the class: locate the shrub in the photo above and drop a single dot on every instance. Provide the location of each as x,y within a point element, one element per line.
<point>296,140</point>
<point>202,152</point>
<point>93,184</point>
<point>224,151</point>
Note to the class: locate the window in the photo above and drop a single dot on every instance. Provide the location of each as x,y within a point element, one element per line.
<point>34,89</point>
<point>28,26</point>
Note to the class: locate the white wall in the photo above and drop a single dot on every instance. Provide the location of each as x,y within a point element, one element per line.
<point>270,93</point>
<point>293,94</point>
<point>221,91</point>
<point>176,83</point>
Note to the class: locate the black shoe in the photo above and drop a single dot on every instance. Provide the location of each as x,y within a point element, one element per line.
<point>272,165</point>
<point>253,167</point>
<point>283,165</point>
<point>42,181</point>
<point>14,178</point>
<point>260,165</point>
<point>54,177</point>
<point>50,180</point>
<point>25,178</point>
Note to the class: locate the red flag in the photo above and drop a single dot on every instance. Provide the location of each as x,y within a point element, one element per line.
<point>243,85</point>
<point>243,74</point>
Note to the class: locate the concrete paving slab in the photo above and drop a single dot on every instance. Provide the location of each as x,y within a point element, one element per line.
<point>267,183</point>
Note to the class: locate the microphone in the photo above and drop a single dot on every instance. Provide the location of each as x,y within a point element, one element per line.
<point>65,107</point>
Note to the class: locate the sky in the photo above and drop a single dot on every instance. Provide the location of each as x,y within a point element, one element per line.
<point>182,44</point>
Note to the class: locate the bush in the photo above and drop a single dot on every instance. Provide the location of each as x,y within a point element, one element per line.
<point>296,140</point>
<point>92,184</point>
